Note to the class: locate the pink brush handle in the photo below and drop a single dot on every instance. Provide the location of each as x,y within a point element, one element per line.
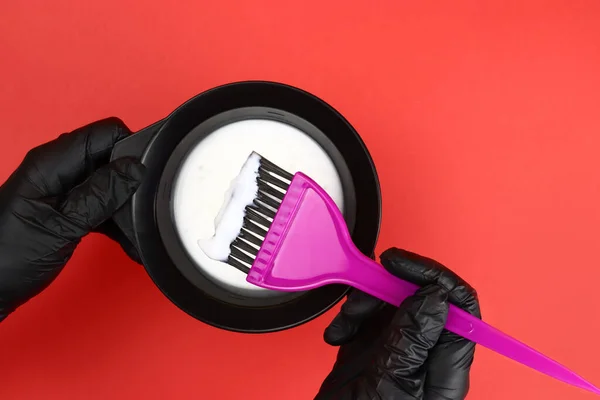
<point>370,277</point>
<point>308,246</point>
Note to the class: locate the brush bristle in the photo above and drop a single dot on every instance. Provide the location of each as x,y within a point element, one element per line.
<point>273,183</point>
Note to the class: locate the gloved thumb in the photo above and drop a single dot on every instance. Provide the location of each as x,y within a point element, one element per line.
<point>103,193</point>
<point>413,332</point>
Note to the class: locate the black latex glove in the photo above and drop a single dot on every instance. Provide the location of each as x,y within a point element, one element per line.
<point>62,191</point>
<point>402,353</point>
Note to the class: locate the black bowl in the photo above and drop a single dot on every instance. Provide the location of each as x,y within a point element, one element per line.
<point>165,145</point>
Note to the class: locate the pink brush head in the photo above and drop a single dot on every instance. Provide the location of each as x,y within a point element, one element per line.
<point>295,206</point>
<point>294,238</point>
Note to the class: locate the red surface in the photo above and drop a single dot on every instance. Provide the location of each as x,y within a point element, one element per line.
<point>484,122</point>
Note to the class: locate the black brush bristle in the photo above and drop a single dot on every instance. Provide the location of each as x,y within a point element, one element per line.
<point>257,216</point>
<point>267,212</point>
<point>275,170</point>
<point>266,200</point>
<point>245,246</point>
<point>271,191</point>
<point>250,237</point>
<point>253,227</point>
<point>273,183</point>
<point>265,177</point>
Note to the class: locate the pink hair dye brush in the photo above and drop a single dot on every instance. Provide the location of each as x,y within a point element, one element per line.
<point>294,238</point>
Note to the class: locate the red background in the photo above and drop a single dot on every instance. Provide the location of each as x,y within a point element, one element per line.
<point>483,121</point>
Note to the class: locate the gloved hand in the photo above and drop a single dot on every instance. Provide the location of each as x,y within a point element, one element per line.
<point>62,191</point>
<point>402,353</point>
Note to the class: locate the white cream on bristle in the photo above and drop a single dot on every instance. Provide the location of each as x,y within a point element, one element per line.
<point>209,170</point>
<point>230,219</point>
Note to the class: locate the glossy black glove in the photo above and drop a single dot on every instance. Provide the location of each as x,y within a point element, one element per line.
<point>62,191</point>
<point>402,353</point>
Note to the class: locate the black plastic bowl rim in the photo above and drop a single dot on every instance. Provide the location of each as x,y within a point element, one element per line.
<point>163,256</point>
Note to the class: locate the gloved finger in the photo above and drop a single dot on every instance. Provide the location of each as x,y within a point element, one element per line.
<point>448,368</point>
<point>105,191</point>
<point>361,307</point>
<point>358,308</point>
<point>413,332</point>
<point>450,360</point>
<point>56,167</point>
<point>449,364</point>
<point>425,271</point>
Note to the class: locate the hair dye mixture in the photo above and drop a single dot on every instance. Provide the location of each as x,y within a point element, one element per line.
<point>230,218</point>
<point>202,192</point>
